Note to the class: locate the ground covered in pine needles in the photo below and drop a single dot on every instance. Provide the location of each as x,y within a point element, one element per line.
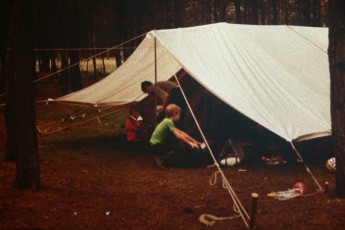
<point>91,179</point>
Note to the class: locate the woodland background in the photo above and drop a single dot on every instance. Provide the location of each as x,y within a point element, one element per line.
<point>77,29</point>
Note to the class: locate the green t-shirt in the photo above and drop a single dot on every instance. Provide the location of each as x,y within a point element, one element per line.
<point>162,132</point>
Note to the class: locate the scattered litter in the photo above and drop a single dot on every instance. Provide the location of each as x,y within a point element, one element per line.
<point>284,195</point>
<point>275,160</point>
<point>107,213</point>
<point>242,170</point>
<point>75,213</point>
<point>85,171</point>
<point>210,220</point>
<point>299,187</point>
<point>298,190</point>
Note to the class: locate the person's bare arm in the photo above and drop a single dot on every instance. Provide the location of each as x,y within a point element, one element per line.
<point>186,138</point>
<point>165,98</point>
<point>165,101</point>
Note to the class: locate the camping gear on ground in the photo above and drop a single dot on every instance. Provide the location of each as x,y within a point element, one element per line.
<point>299,187</point>
<point>298,190</point>
<point>331,164</point>
<point>232,153</point>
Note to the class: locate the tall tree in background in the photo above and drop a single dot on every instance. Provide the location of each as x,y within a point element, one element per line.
<point>305,8</point>
<point>74,40</point>
<point>255,12</point>
<point>336,52</point>
<point>274,13</point>
<point>316,13</point>
<point>238,11</point>
<point>219,10</point>
<point>4,12</point>
<point>20,107</point>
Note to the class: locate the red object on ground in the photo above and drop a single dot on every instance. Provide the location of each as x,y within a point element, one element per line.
<point>299,188</point>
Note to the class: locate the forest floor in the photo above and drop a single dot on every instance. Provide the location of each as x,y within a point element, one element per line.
<point>91,179</point>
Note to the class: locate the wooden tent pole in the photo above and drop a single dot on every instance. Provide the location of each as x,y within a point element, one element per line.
<point>155,56</point>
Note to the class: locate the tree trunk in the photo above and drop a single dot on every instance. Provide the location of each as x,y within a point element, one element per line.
<point>53,68</point>
<point>245,12</point>
<point>20,98</point>
<point>316,13</point>
<point>64,76</point>
<point>222,7</point>
<point>238,11</point>
<point>74,27</point>
<point>76,83</point>
<point>262,12</point>
<point>324,13</point>
<point>94,45</point>
<point>44,57</point>
<point>5,8</point>
<point>255,12</point>
<point>336,51</point>
<point>306,13</point>
<point>202,14</point>
<point>119,5</point>
<point>286,12</point>
<point>275,12</point>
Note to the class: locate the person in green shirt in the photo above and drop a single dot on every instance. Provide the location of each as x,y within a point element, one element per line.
<point>169,143</point>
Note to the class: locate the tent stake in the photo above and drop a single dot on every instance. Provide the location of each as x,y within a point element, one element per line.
<point>326,187</point>
<point>255,197</point>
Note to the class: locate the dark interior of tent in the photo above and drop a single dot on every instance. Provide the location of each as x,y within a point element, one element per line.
<point>220,122</point>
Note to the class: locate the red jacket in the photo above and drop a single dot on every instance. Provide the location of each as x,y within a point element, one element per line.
<point>134,130</point>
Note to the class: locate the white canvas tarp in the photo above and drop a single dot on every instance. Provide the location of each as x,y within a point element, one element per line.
<point>276,75</point>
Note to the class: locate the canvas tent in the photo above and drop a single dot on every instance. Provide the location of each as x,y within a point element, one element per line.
<point>278,76</point>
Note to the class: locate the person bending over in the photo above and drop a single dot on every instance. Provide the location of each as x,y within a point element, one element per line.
<point>168,92</point>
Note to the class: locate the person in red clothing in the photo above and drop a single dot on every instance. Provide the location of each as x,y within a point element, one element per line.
<point>134,125</point>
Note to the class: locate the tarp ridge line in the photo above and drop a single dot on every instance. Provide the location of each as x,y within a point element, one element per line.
<point>307,39</point>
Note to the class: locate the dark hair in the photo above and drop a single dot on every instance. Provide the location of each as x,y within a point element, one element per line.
<point>133,108</point>
<point>145,84</point>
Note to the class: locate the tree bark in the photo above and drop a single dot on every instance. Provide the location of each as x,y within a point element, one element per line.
<point>5,7</point>
<point>76,81</point>
<point>20,103</point>
<point>306,13</point>
<point>120,17</point>
<point>64,75</point>
<point>238,11</point>
<point>336,52</point>
<point>275,12</point>
<point>255,12</point>
<point>316,13</point>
